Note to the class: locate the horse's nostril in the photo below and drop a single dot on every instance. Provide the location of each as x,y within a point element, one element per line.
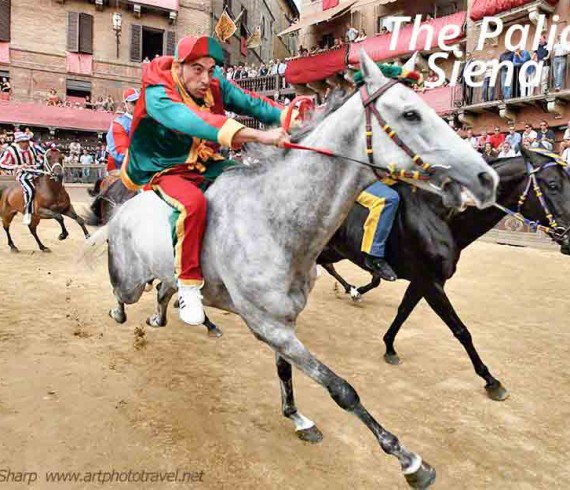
<point>486,179</point>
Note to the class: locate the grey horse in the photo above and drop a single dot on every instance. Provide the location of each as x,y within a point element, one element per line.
<point>268,222</point>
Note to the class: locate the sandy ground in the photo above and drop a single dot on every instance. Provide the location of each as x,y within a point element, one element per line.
<point>79,393</point>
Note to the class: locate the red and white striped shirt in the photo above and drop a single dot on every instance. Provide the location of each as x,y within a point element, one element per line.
<point>14,159</point>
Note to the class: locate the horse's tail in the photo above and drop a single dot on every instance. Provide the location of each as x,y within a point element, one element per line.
<point>94,245</point>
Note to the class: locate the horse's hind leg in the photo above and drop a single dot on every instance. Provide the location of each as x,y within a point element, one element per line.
<point>70,212</point>
<point>33,230</point>
<point>305,429</point>
<point>6,221</point>
<point>118,314</point>
<point>164,295</point>
<point>280,335</point>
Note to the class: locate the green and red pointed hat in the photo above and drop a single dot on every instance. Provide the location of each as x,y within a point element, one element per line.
<point>191,48</point>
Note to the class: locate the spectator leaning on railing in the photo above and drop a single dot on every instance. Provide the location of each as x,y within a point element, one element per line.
<point>545,136</point>
<point>5,86</point>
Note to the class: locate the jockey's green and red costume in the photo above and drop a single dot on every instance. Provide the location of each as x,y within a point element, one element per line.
<point>175,140</point>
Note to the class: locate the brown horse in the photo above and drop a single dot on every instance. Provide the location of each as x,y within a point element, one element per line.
<point>51,201</point>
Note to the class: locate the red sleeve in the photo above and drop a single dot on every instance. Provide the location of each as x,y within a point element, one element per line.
<point>120,138</point>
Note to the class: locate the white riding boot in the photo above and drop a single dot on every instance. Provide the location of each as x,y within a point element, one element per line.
<point>27,219</point>
<point>191,309</point>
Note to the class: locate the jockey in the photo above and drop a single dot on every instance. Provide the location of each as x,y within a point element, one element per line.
<point>178,126</point>
<point>382,204</point>
<point>25,159</point>
<point>118,134</point>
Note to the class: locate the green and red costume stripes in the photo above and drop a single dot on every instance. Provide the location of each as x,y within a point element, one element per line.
<point>174,144</point>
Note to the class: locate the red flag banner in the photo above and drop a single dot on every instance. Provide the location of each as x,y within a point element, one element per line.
<point>329,4</point>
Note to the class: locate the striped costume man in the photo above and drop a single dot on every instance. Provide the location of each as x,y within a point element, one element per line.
<point>178,125</point>
<point>25,159</point>
<point>118,134</point>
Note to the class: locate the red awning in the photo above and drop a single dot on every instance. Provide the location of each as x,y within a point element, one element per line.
<point>378,47</point>
<point>486,8</point>
<point>27,113</point>
<point>318,67</point>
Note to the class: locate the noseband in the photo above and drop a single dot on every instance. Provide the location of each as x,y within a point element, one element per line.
<point>556,232</point>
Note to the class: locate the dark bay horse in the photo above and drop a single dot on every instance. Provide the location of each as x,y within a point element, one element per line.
<point>427,239</point>
<point>51,201</point>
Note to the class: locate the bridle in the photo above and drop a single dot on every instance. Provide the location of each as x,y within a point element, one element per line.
<point>50,167</point>
<point>426,170</point>
<point>556,232</point>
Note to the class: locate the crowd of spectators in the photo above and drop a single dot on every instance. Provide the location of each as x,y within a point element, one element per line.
<point>102,103</point>
<point>551,78</point>
<point>242,71</point>
<point>496,144</point>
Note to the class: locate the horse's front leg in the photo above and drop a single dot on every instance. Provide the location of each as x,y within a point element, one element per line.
<point>33,230</point>
<point>280,335</point>
<point>70,212</point>
<point>412,297</point>
<point>373,284</point>
<point>438,300</point>
<point>49,214</point>
<point>348,288</point>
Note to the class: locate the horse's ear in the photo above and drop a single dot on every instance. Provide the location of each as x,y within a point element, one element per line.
<point>410,65</point>
<point>535,158</point>
<point>371,74</point>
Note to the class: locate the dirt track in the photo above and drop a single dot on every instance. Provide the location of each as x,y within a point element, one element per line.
<point>78,393</point>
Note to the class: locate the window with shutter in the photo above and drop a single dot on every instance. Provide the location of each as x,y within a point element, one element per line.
<point>5,20</point>
<point>136,43</point>
<point>85,33</point>
<point>73,32</point>
<point>170,43</point>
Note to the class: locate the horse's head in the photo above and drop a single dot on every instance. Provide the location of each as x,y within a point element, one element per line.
<point>408,135</point>
<point>547,194</point>
<point>53,164</point>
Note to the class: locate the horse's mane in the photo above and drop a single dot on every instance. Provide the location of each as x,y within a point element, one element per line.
<point>258,153</point>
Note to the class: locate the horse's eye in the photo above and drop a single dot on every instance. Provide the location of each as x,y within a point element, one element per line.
<point>553,186</point>
<point>412,116</point>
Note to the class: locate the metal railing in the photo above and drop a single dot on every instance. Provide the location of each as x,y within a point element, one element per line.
<point>264,85</point>
<point>83,174</point>
<point>467,96</point>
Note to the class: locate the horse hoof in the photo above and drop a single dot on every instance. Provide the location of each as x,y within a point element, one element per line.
<point>497,392</point>
<point>423,478</point>
<point>117,315</point>
<point>215,332</point>
<point>392,359</point>
<point>45,250</point>
<point>312,435</point>
<point>88,236</point>
<point>14,250</point>
<point>62,236</point>
<point>355,295</point>
<point>155,321</point>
